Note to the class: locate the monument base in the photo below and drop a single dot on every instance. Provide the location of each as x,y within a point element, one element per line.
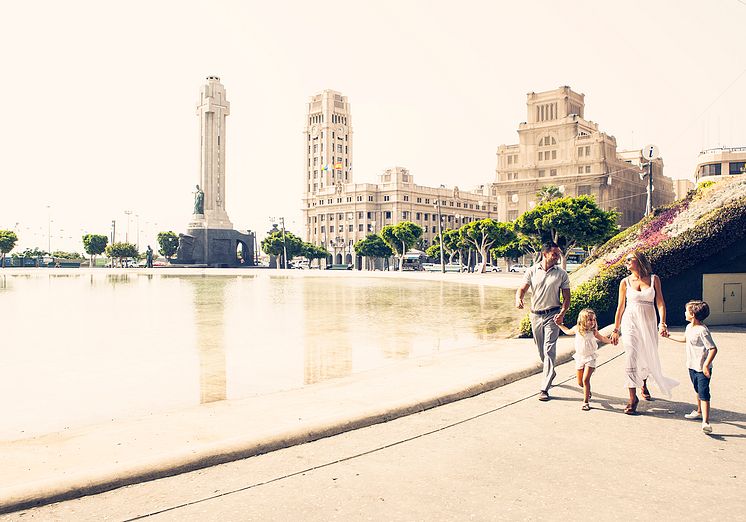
<point>216,248</point>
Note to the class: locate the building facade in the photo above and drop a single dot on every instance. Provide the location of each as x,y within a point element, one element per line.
<point>721,161</point>
<point>558,146</point>
<point>338,212</point>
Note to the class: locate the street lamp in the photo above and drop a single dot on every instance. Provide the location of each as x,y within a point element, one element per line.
<point>284,244</point>
<point>127,234</point>
<point>440,235</point>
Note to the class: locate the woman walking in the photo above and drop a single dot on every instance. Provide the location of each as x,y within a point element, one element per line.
<point>639,295</point>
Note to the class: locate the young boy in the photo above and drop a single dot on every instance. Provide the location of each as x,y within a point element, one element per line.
<point>700,351</point>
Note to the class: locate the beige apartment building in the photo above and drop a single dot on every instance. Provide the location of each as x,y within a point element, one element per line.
<point>558,146</point>
<point>339,212</point>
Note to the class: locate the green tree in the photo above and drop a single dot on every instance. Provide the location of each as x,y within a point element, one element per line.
<point>275,245</point>
<point>311,252</point>
<point>8,240</point>
<point>570,222</point>
<point>372,247</point>
<point>120,251</point>
<point>168,243</point>
<point>94,245</point>
<point>484,234</point>
<point>548,193</point>
<point>520,245</point>
<point>401,237</point>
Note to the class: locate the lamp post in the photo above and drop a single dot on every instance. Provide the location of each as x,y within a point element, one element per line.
<point>440,235</point>
<point>49,230</point>
<point>127,234</point>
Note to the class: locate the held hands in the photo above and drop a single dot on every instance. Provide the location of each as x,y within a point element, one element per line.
<point>559,318</point>
<point>614,337</point>
<point>663,330</point>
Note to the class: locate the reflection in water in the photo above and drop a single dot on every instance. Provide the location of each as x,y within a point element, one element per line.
<point>100,346</point>
<point>209,304</point>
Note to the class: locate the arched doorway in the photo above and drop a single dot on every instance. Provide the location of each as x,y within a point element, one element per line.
<point>348,259</point>
<point>338,259</point>
<point>243,254</point>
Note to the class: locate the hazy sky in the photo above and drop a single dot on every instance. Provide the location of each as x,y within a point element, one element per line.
<point>98,98</point>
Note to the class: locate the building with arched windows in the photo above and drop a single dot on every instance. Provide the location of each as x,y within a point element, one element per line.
<point>558,146</point>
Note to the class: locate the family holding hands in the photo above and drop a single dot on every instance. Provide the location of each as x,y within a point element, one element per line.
<point>636,322</point>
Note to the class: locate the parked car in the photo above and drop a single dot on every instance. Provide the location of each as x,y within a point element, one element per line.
<point>302,265</point>
<point>518,268</point>
<point>489,267</point>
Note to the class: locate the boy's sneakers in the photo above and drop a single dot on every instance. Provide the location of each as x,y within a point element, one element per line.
<point>706,427</point>
<point>693,415</point>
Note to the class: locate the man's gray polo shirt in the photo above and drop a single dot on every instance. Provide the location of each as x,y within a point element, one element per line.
<point>545,286</point>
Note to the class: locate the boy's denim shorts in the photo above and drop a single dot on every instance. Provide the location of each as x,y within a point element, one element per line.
<point>701,384</point>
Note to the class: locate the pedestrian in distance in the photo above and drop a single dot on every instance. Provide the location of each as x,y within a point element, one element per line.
<point>640,294</point>
<point>700,351</point>
<point>547,281</point>
<point>586,345</point>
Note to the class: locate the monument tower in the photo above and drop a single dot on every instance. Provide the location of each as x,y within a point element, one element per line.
<point>210,239</point>
<point>212,109</point>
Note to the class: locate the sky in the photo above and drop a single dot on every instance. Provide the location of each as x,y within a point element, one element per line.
<point>99,98</point>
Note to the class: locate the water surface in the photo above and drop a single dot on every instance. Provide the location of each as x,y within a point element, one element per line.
<point>81,348</point>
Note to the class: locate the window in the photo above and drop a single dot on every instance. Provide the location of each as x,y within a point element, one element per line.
<point>584,189</point>
<point>322,216</point>
<point>406,198</point>
<point>323,229</point>
<point>341,228</point>
<point>359,198</point>
<point>427,201</point>
<point>433,230</point>
<point>339,148</point>
<point>587,150</point>
<point>580,152</point>
<point>388,214</point>
<point>315,147</point>
<point>418,216</point>
<point>542,173</point>
<point>512,215</point>
<point>341,217</point>
<point>386,198</point>
<point>419,200</point>
<point>541,156</point>
<point>554,154</point>
<point>427,216</point>
<point>710,170</point>
<point>404,214</point>
<point>370,198</point>
<point>315,161</point>
<point>510,160</point>
<point>587,169</point>
<point>737,167</point>
<point>360,227</point>
<point>349,228</point>
<point>580,170</point>
<point>552,172</point>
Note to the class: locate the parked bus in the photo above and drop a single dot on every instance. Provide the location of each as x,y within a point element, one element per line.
<point>575,258</point>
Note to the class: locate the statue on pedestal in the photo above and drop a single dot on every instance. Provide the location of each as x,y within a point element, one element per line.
<point>199,201</point>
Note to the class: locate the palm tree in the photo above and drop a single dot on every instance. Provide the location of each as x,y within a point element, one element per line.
<point>548,193</point>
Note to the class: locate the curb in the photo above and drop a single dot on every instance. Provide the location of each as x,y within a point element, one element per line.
<point>92,483</point>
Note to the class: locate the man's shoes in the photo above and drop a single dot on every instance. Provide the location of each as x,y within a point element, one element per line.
<point>706,427</point>
<point>543,396</point>
<point>693,415</point>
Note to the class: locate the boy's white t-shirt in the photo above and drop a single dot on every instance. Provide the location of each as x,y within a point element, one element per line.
<point>698,344</point>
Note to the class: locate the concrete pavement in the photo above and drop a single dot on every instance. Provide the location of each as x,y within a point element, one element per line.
<point>498,455</point>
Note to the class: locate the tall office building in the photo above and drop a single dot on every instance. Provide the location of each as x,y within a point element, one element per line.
<point>328,133</point>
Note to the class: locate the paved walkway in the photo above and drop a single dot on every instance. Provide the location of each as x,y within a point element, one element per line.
<point>498,455</point>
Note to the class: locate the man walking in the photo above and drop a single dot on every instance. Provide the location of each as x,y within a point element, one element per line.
<point>546,281</point>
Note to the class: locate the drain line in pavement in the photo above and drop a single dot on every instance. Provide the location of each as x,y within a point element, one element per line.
<point>357,455</point>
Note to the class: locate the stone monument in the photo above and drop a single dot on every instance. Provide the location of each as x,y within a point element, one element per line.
<point>210,239</point>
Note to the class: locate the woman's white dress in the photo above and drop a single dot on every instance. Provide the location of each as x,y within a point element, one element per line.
<point>640,338</point>
<point>586,347</point>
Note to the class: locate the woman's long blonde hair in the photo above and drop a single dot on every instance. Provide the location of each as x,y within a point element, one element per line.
<point>584,320</point>
<point>642,261</point>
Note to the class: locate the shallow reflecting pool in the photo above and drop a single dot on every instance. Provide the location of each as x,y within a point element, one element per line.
<point>81,348</point>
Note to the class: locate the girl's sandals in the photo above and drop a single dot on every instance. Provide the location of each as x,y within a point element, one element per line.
<point>586,406</point>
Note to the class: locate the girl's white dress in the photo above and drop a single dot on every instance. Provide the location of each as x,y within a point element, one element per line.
<point>586,347</point>
<point>640,338</point>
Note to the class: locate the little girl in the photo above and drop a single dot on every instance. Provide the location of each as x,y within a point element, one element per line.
<point>586,333</point>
